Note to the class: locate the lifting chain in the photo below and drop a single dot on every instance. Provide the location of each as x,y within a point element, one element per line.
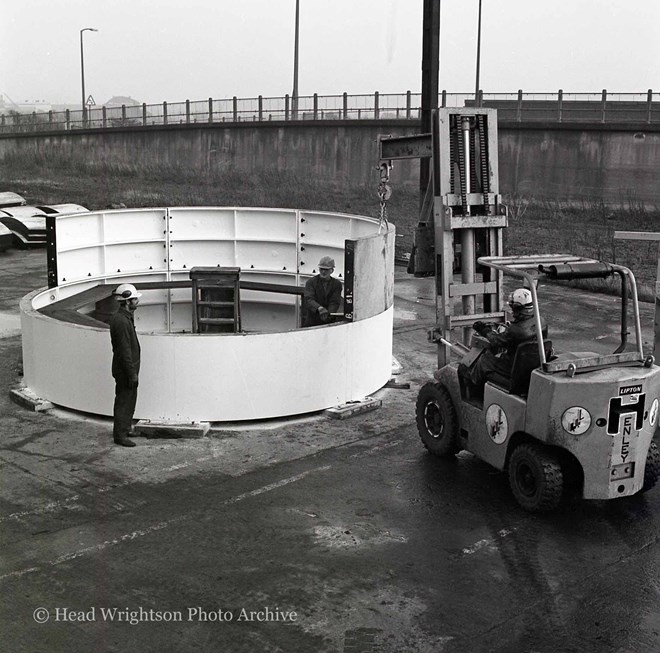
<point>384,191</point>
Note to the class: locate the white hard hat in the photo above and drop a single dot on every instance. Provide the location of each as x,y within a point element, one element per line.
<point>126,291</point>
<point>521,298</point>
<point>327,262</point>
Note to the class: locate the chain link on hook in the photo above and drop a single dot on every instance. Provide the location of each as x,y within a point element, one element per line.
<point>384,192</point>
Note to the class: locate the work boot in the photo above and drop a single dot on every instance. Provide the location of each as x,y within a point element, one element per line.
<point>124,442</point>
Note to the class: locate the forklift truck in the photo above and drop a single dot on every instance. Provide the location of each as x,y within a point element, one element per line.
<point>576,417</point>
<point>561,420</point>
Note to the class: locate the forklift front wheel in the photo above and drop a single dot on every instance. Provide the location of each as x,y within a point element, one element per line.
<point>652,469</point>
<point>436,420</point>
<point>535,477</point>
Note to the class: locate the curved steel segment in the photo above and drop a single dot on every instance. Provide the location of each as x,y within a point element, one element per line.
<point>272,369</point>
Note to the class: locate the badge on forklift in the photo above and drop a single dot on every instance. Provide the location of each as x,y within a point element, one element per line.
<point>576,420</point>
<point>497,423</point>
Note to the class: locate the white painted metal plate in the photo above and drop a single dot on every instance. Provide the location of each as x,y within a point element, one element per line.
<point>270,370</point>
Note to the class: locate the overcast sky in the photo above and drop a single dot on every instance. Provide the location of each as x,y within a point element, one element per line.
<point>157,50</point>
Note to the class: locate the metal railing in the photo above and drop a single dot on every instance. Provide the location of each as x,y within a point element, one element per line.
<point>558,106</point>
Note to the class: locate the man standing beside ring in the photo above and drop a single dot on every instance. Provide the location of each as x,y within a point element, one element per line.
<point>125,362</point>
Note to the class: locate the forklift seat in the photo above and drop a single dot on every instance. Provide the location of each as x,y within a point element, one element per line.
<point>525,361</point>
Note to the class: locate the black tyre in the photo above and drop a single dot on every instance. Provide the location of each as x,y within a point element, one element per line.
<point>436,420</point>
<point>535,477</point>
<point>652,469</point>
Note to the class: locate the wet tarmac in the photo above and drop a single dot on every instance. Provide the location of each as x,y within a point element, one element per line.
<point>308,535</point>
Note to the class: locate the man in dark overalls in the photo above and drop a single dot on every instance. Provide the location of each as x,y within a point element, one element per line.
<point>125,362</point>
<point>322,295</point>
<point>502,343</point>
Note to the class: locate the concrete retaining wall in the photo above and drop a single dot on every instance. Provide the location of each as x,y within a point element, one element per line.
<point>544,160</point>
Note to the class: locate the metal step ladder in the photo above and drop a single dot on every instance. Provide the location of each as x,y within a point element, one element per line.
<point>216,299</point>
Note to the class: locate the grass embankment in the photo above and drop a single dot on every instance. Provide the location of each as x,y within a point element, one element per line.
<point>534,226</point>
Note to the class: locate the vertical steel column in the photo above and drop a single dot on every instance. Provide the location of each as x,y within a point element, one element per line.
<point>443,242</point>
<point>430,72</point>
<point>51,250</point>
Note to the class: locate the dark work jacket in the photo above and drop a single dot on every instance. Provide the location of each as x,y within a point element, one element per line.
<point>521,329</point>
<point>320,293</point>
<point>125,345</point>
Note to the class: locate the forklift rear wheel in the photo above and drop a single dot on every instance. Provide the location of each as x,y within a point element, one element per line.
<point>652,469</point>
<point>436,420</point>
<point>535,477</point>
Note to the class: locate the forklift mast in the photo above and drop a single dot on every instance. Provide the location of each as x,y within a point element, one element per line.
<point>461,217</point>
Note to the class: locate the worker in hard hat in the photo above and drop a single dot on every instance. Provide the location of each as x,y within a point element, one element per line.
<point>125,362</point>
<point>502,341</point>
<point>322,295</point>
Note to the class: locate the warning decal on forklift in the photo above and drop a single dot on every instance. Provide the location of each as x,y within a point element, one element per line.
<point>653,414</point>
<point>497,423</point>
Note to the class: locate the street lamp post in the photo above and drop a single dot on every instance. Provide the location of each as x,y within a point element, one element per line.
<point>294,95</point>
<point>82,68</point>
<point>476,90</point>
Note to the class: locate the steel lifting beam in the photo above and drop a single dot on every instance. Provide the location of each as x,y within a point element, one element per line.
<point>418,146</point>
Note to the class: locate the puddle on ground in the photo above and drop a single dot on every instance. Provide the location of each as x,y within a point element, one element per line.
<point>10,325</point>
<point>404,315</point>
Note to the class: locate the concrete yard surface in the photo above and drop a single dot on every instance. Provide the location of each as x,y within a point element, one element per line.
<point>308,534</point>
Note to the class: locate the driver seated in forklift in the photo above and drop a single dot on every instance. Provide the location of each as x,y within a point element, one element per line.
<point>497,358</point>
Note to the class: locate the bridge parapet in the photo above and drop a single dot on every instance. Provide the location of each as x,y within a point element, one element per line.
<point>605,107</point>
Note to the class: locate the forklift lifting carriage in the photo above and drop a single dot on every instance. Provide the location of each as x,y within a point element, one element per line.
<point>461,215</point>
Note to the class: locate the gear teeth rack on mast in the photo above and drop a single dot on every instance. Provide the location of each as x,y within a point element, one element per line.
<point>466,220</point>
